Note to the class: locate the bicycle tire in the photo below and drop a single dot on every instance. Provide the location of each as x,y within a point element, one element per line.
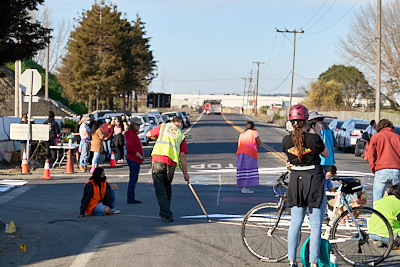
<point>264,232</point>
<point>360,252</point>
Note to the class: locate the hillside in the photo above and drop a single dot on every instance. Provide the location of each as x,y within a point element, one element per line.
<point>40,108</point>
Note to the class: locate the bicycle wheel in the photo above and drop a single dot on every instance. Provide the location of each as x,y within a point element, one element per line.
<point>364,251</point>
<point>264,232</point>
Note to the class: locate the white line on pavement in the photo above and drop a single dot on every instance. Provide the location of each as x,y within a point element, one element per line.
<point>83,259</point>
<point>13,194</point>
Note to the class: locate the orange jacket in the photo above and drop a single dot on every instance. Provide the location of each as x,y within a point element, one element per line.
<point>97,197</point>
<point>247,143</point>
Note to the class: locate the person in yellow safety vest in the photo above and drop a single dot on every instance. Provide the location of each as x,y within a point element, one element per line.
<point>389,207</point>
<point>168,153</point>
<point>246,160</point>
<point>98,195</point>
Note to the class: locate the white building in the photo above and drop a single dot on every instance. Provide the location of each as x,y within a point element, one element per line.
<point>232,101</point>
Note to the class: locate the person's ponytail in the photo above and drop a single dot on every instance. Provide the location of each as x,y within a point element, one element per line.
<point>298,137</point>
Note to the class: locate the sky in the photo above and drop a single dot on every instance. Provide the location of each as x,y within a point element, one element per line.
<point>210,46</point>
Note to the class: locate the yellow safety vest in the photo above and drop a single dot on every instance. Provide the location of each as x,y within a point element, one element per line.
<point>169,142</point>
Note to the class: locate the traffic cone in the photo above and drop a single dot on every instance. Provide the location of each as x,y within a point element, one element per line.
<point>70,164</point>
<point>24,163</point>
<point>112,160</point>
<point>46,170</point>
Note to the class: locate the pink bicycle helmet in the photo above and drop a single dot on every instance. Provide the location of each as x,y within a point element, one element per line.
<point>298,112</point>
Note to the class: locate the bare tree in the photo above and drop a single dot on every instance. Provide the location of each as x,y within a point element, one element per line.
<point>58,41</point>
<point>359,44</point>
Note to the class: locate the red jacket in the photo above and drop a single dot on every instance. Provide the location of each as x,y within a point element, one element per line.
<point>133,145</point>
<point>108,130</point>
<point>384,150</point>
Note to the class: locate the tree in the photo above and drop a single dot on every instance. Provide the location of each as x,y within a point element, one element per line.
<point>143,64</point>
<point>359,44</point>
<point>107,58</point>
<point>354,84</point>
<point>20,37</point>
<point>324,95</point>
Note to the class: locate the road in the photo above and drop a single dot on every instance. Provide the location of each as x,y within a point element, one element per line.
<point>44,210</point>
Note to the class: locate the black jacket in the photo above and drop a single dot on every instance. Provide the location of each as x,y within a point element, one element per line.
<point>88,194</point>
<point>54,129</point>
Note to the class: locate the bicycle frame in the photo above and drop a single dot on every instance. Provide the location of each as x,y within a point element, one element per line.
<point>334,217</point>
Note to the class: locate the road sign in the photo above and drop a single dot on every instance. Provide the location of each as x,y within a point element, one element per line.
<point>30,77</point>
<point>20,131</point>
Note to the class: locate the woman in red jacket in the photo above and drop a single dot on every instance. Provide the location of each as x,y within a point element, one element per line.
<point>134,157</point>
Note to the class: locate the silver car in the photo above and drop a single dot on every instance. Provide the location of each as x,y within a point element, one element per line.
<point>349,132</point>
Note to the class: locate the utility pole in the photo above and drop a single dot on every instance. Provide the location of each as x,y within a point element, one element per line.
<point>249,90</point>
<point>294,53</point>
<point>378,64</point>
<point>244,91</point>
<point>16,88</point>
<point>256,91</point>
<point>46,83</point>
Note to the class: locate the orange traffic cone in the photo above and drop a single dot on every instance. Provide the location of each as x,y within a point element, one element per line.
<point>70,165</point>
<point>46,170</point>
<point>24,163</point>
<point>112,160</point>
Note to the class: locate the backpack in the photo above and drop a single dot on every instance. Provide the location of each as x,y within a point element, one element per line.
<point>365,136</point>
<point>324,254</point>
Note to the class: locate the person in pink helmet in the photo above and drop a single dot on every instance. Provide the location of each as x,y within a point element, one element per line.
<point>306,188</point>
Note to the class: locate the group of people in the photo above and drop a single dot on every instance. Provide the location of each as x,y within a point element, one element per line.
<point>95,137</point>
<point>310,151</point>
<point>169,153</point>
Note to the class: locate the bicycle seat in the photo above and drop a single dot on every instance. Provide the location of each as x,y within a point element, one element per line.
<point>350,185</point>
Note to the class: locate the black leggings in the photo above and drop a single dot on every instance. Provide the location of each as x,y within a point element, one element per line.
<point>120,152</point>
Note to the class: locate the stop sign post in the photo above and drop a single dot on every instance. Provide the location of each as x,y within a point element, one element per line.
<point>30,83</point>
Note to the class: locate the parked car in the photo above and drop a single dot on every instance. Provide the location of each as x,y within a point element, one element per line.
<point>157,115</point>
<point>361,143</point>
<point>165,117</point>
<point>172,114</point>
<point>334,126</point>
<point>187,118</point>
<point>153,121</point>
<point>349,132</point>
<point>143,128</point>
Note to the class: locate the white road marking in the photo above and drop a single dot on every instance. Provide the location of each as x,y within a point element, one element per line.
<point>13,194</point>
<point>83,259</point>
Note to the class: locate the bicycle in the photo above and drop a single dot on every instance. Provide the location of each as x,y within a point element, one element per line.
<point>265,228</point>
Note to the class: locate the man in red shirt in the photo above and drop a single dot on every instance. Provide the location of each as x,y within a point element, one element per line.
<point>383,155</point>
<point>168,153</point>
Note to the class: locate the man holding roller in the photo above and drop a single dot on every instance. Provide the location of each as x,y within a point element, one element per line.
<point>168,153</point>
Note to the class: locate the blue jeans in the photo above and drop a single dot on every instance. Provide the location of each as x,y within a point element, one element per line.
<point>83,161</point>
<point>99,209</point>
<point>297,216</point>
<point>382,178</point>
<point>107,148</point>
<point>95,159</point>
<point>134,169</point>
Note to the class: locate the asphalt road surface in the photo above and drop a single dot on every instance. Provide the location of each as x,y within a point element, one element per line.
<point>44,210</point>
